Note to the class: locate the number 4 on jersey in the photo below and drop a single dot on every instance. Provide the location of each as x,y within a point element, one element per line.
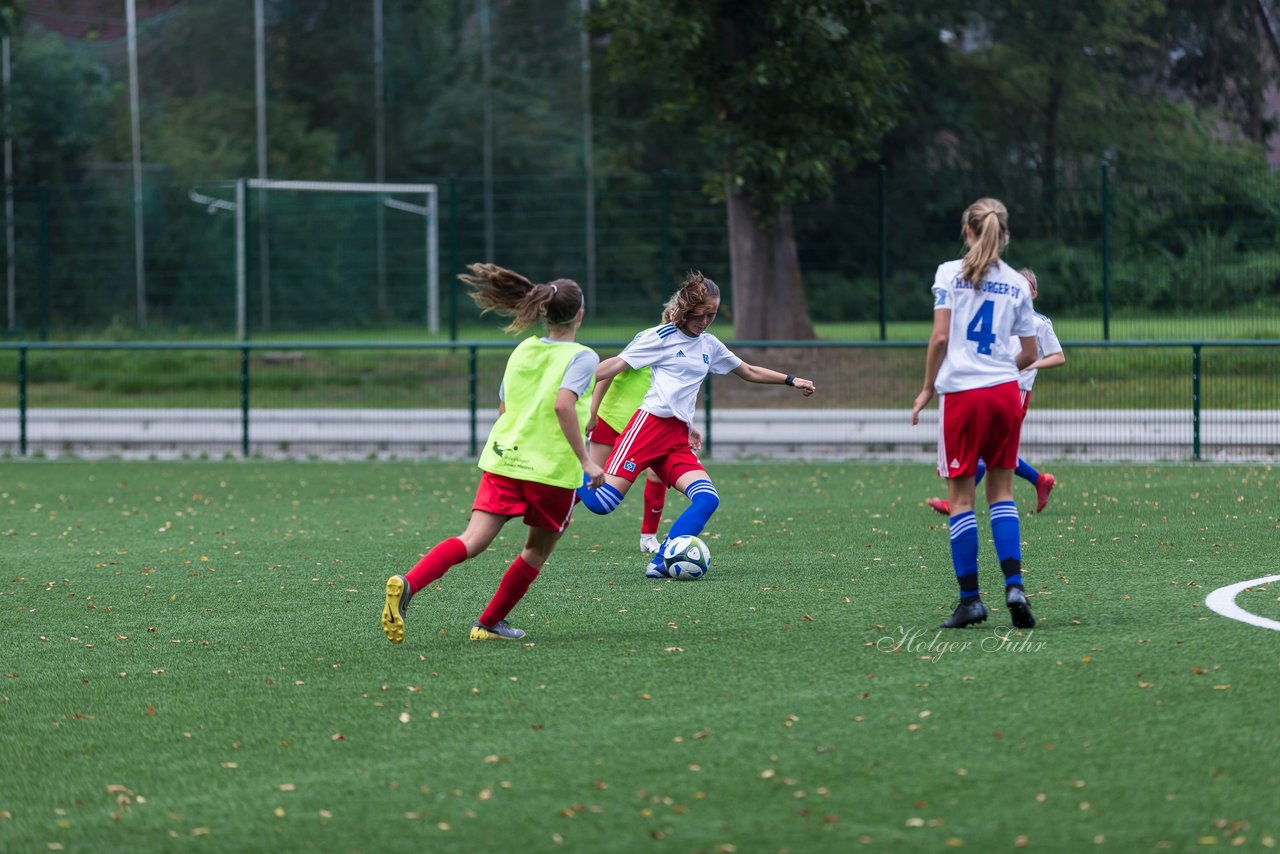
<point>980,327</point>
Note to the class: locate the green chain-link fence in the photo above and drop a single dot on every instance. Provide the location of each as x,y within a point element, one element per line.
<point>1118,255</point>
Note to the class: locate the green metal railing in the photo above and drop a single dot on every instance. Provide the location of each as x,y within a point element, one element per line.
<point>1101,378</point>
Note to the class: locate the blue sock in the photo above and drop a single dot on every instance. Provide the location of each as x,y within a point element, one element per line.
<point>601,501</point>
<point>964,553</point>
<point>1025,471</point>
<point>1006,530</point>
<point>982,471</point>
<point>703,501</point>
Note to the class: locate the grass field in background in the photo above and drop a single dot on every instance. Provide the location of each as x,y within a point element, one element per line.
<point>192,661</point>
<point>1124,326</point>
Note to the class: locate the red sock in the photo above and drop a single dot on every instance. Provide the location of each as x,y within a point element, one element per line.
<point>515,583</point>
<point>446,554</point>
<point>655,496</point>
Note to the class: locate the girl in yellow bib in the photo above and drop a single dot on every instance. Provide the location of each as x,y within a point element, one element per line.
<point>535,455</point>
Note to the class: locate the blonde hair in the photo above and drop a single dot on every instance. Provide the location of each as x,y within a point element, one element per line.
<point>508,293</point>
<point>694,292</point>
<point>987,221</point>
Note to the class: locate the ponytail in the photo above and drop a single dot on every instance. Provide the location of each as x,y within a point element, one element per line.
<point>987,224</point>
<point>508,293</point>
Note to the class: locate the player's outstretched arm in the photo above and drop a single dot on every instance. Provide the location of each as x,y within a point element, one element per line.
<point>610,368</point>
<point>768,376</point>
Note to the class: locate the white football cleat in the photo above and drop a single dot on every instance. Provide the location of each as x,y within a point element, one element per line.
<point>649,544</point>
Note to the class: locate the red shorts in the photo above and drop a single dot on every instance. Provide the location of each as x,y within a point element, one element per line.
<point>603,434</point>
<point>1026,401</point>
<point>982,423</point>
<point>542,506</point>
<point>650,442</point>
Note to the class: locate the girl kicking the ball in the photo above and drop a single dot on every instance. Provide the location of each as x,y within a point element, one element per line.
<point>535,455</point>
<point>614,401</point>
<point>681,353</point>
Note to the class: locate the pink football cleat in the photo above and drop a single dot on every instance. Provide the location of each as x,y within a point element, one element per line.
<point>1044,485</point>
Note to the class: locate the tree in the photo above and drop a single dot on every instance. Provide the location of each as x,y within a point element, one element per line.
<point>1224,55</point>
<point>784,95</point>
<point>61,108</point>
<point>1058,78</point>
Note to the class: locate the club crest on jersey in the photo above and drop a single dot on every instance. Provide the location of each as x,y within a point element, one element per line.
<point>629,465</point>
<point>706,360</point>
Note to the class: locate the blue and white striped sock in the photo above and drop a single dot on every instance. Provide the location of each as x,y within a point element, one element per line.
<point>601,501</point>
<point>964,552</point>
<point>1006,530</point>
<point>703,501</point>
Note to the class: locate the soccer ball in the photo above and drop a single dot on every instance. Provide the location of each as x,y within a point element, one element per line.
<point>686,558</point>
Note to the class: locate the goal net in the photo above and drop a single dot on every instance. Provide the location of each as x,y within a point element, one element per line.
<point>323,254</point>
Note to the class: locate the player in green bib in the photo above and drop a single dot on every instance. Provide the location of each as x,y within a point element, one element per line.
<point>535,455</point>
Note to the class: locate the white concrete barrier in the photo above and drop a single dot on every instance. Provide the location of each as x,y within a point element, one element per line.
<point>734,433</point>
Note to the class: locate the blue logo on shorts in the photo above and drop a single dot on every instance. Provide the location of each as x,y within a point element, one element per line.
<point>629,465</point>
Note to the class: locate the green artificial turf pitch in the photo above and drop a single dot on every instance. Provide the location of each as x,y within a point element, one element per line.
<point>191,660</point>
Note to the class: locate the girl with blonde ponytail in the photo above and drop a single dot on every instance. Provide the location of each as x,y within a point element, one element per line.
<point>983,335</point>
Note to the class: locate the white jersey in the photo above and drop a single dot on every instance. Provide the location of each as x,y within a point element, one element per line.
<point>986,322</point>
<point>1046,345</point>
<point>680,363</point>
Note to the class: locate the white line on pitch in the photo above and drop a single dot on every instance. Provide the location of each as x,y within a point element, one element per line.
<point>1223,600</point>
